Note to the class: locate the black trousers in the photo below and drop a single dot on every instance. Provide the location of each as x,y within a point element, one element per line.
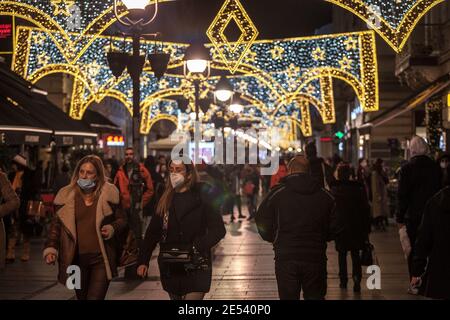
<point>356,266</point>
<point>235,200</point>
<point>295,276</point>
<point>251,203</point>
<point>94,280</point>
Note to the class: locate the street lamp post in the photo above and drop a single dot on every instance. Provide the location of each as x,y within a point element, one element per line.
<point>196,58</point>
<point>137,19</point>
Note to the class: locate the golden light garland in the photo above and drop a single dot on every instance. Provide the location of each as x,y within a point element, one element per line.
<point>266,90</point>
<point>233,53</point>
<point>393,20</point>
<point>48,16</point>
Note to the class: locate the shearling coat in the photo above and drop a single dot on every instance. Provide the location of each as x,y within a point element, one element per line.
<point>8,203</point>
<point>62,235</point>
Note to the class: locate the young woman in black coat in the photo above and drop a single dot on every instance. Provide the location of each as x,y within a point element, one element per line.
<point>185,217</point>
<point>353,214</point>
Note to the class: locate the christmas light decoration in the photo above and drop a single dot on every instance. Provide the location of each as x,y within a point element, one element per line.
<point>57,18</point>
<point>232,53</point>
<point>394,20</point>
<point>303,73</point>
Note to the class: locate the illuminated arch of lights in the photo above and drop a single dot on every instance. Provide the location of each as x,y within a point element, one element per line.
<point>394,20</point>
<point>72,34</point>
<point>271,76</point>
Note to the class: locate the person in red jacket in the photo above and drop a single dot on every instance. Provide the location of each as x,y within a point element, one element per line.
<point>281,173</point>
<point>135,219</point>
<point>122,180</point>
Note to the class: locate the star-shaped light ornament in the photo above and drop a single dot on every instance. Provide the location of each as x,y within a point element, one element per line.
<point>318,54</point>
<point>351,44</point>
<point>39,38</point>
<point>163,84</point>
<point>310,89</point>
<point>277,53</point>
<point>92,69</point>
<point>242,86</point>
<point>145,80</point>
<point>62,7</point>
<point>130,93</point>
<point>346,63</point>
<point>292,83</point>
<point>293,70</point>
<point>250,57</point>
<point>43,59</point>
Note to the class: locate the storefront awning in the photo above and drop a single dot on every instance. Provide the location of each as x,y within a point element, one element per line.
<point>410,103</point>
<point>17,127</point>
<point>66,131</point>
<point>100,124</point>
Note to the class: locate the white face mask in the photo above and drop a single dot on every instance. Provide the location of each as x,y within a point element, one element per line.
<point>176,179</point>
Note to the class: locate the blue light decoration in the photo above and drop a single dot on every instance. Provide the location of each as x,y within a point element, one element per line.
<point>394,20</point>
<point>275,75</point>
<point>72,24</point>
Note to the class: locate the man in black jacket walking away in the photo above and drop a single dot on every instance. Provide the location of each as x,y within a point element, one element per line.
<point>298,217</point>
<point>433,248</point>
<point>419,180</point>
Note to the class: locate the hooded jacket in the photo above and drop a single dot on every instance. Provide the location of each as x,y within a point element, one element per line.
<point>433,242</point>
<point>298,217</point>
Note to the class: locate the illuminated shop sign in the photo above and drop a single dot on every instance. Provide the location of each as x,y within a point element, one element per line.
<point>5,30</point>
<point>115,141</point>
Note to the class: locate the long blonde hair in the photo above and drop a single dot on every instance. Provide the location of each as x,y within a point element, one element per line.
<point>166,199</point>
<point>100,172</point>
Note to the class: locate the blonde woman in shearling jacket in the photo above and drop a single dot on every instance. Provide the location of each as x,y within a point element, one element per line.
<point>88,217</point>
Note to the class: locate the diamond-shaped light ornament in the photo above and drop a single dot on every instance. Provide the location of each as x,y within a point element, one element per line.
<point>232,54</point>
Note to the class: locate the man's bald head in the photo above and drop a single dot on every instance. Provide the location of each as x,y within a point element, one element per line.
<point>298,164</point>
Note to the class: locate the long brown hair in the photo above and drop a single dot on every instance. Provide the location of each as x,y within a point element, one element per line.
<point>166,199</point>
<point>100,172</point>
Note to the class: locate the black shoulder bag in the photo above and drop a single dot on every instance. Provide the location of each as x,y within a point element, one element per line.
<point>173,252</point>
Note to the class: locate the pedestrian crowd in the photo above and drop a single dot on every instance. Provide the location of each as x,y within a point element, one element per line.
<point>105,216</point>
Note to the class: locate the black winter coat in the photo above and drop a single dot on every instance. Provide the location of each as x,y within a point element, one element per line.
<point>298,217</point>
<point>433,242</point>
<point>318,168</point>
<point>419,180</point>
<point>353,214</point>
<point>198,224</point>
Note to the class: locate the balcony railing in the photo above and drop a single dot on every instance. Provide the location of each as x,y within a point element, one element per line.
<point>423,48</point>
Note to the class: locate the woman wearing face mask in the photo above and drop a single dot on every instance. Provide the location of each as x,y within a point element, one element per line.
<point>185,217</point>
<point>87,218</point>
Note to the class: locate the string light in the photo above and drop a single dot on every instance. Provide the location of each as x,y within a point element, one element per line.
<point>394,20</point>
<point>233,53</point>
<point>267,84</point>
